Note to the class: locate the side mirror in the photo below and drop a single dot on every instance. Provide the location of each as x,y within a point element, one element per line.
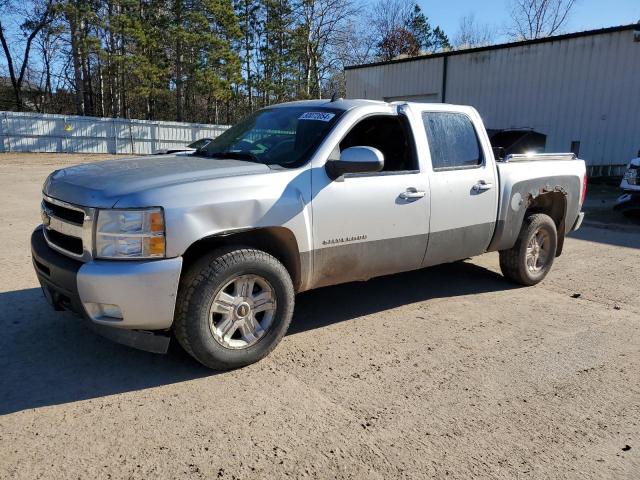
<point>356,160</point>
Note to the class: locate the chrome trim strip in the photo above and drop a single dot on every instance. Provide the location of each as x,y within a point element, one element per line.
<point>55,201</point>
<point>132,235</point>
<point>60,249</point>
<point>523,157</point>
<point>62,226</point>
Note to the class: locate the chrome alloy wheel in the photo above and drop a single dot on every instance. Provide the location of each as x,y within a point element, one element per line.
<point>242,311</point>
<point>538,251</point>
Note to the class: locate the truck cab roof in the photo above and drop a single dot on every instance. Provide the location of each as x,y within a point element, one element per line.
<point>348,104</point>
<point>339,104</point>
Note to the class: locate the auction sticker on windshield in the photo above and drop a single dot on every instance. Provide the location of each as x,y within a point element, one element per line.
<point>322,116</point>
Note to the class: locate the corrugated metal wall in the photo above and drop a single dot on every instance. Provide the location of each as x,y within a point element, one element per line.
<point>386,82</point>
<point>584,89</point>
<point>33,132</point>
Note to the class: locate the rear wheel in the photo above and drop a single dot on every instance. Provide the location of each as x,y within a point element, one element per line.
<point>531,258</point>
<point>233,308</point>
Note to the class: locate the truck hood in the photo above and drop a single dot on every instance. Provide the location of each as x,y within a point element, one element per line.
<point>102,184</point>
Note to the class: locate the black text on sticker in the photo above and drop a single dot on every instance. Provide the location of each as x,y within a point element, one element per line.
<point>322,116</point>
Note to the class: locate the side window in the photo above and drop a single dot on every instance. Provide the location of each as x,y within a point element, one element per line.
<point>389,134</point>
<point>453,142</point>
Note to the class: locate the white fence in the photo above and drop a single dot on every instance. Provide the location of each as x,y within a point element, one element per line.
<point>37,132</point>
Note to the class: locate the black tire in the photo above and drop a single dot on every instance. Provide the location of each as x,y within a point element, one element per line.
<point>198,289</point>
<point>513,262</point>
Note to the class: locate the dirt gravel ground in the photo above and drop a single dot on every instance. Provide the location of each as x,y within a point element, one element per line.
<point>450,372</point>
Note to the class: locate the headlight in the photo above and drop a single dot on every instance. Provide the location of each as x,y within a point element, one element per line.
<point>130,233</point>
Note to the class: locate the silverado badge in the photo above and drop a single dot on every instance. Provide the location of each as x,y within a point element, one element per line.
<point>354,238</point>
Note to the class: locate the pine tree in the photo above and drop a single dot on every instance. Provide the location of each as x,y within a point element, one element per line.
<point>277,50</point>
<point>430,40</point>
<point>193,60</point>
<point>202,57</point>
<point>247,12</point>
<point>219,68</point>
<point>440,40</point>
<point>420,28</point>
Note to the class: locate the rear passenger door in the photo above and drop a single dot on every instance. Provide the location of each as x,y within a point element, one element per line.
<point>464,188</point>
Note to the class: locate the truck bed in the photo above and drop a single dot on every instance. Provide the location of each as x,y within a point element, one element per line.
<point>523,178</point>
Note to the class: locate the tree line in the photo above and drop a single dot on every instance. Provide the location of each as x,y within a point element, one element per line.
<point>209,61</point>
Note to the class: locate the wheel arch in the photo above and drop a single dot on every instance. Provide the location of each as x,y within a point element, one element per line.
<point>553,204</point>
<point>557,197</point>
<point>277,241</point>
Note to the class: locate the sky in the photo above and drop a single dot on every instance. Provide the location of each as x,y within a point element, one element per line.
<point>586,15</point>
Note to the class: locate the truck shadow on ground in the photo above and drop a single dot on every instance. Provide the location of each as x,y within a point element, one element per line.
<point>49,358</point>
<point>329,305</point>
<point>627,236</point>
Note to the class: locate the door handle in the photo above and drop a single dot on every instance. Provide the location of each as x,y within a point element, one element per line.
<point>411,193</point>
<point>482,186</point>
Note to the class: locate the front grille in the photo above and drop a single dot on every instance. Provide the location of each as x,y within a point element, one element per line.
<point>632,175</point>
<point>65,213</point>
<point>68,228</point>
<point>65,242</point>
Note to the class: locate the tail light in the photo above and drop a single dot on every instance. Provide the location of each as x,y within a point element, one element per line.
<point>584,189</point>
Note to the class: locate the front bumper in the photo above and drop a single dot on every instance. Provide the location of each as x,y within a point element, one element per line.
<point>120,298</point>
<point>628,201</point>
<point>630,187</point>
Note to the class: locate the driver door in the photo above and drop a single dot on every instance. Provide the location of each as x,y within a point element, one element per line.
<point>365,225</point>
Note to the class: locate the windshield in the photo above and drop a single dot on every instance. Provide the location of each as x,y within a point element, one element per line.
<point>278,136</point>
<point>198,144</point>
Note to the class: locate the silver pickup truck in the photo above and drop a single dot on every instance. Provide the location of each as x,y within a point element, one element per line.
<point>212,247</point>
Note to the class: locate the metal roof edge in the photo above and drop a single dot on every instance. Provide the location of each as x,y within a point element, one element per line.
<point>499,46</point>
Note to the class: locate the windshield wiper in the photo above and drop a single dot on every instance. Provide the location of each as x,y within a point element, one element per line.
<point>236,155</point>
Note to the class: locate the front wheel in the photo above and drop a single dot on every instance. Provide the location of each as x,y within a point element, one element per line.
<point>233,308</point>
<point>531,258</point>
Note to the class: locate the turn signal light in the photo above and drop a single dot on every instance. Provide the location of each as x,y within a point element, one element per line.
<point>156,245</point>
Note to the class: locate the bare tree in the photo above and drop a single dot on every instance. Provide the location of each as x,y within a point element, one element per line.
<point>473,34</point>
<point>322,21</point>
<point>48,44</point>
<point>34,16</point>
<point>389,15</point>
<point>401,28</point>
<point>354,45</point>
<point>539,18</point>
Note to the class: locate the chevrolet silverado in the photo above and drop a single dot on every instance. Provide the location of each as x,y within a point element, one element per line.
<point>212,247</point>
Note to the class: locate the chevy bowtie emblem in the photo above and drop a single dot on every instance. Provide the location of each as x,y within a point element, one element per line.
<point>46,218</point>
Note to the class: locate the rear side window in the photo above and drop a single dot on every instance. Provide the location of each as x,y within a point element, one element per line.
<point>453,142</point>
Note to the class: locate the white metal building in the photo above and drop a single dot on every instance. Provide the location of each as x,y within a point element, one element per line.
<point>581,90</point>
